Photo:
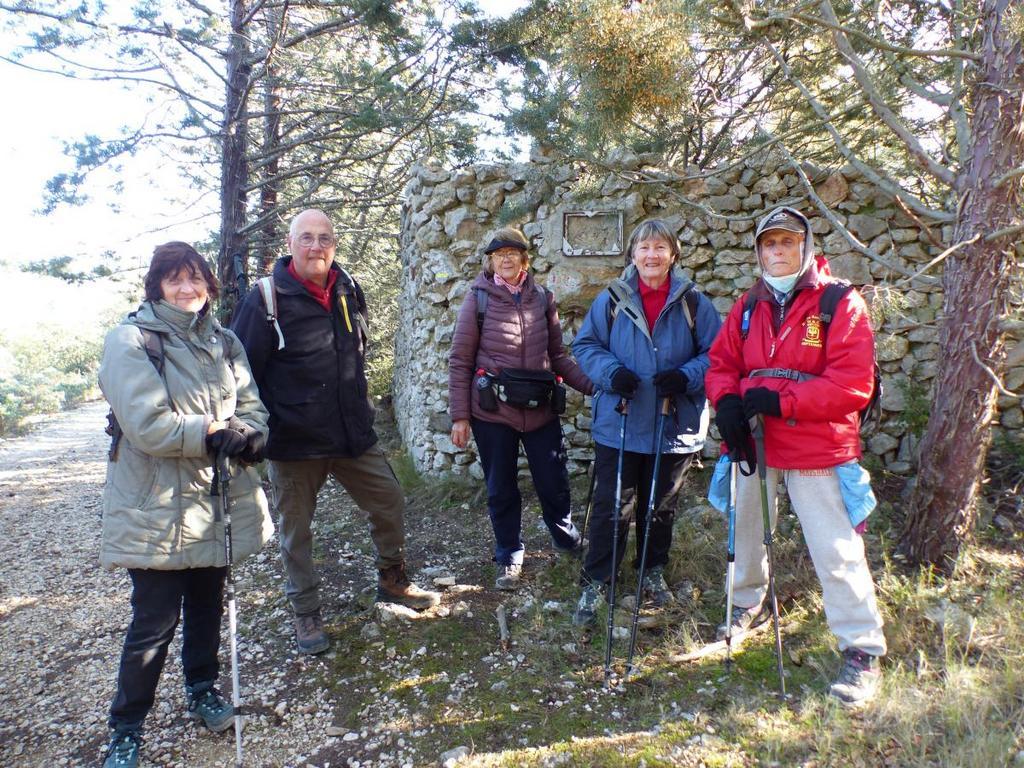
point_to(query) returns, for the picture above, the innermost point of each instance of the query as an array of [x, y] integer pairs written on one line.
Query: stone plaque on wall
[[592, 233]]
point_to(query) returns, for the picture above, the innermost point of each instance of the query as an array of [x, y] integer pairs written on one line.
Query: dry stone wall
[[448, 215]]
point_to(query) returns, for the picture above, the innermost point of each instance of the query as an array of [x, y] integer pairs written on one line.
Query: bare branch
[[941, 257], [873, 175], [841, 228], [991, 374], [883, 110]]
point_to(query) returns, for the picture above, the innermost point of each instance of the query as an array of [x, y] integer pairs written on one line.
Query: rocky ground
[[445, 688], [395, 689]]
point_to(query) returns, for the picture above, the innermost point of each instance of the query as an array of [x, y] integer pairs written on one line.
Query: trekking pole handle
[[623, 406], [666, 405]]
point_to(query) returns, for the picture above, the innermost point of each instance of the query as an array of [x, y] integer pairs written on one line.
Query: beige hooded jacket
[[158, 511]]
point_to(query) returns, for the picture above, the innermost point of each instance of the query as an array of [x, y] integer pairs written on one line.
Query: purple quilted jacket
[[518, 332]]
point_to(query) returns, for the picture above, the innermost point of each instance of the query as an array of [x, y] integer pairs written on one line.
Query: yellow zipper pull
[[344, 312]]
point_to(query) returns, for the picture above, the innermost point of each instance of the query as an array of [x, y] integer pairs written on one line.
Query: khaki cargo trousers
[[836, 550], [370, 482]]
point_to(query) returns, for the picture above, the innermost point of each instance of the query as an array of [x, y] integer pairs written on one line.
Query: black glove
[[226, 441], [734, 428], [255, 441], [761, 400], [625, 382], [672, 382]]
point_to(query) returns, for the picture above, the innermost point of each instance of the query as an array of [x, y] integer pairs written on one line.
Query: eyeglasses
[[307, 240]]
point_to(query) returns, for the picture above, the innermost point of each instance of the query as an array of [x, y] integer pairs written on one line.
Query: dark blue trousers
[[159, 598], [637, 469], [498, 446]]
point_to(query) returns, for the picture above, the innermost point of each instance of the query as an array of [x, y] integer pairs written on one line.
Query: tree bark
[[234, 166], [943, 507]]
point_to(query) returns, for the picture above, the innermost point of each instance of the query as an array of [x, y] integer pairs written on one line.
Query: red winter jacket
[[820, 422], [518, 332]]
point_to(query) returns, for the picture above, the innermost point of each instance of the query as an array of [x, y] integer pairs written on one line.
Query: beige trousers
[[370, 482], [837, 552]]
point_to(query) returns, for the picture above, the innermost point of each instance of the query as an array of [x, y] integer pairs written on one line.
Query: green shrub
[[44, 373]]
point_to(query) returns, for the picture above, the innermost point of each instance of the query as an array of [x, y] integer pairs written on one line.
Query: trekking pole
[[623, 409], [590, 498], [730, 563], [223, 470], [665, 405], [757, 427]]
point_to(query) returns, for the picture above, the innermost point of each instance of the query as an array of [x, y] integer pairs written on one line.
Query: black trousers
[[498, 445], [159, 598], [637, 469]]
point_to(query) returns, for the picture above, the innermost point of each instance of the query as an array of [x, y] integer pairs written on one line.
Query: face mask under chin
[[782, 284]]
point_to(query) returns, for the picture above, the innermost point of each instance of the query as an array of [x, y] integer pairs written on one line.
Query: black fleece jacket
[[315, 388]]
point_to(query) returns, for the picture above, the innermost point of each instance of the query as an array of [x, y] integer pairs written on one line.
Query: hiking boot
[[123, 751], [858, 679], [575, 551], [206, 704], [585, 614], [309, 633], [394, 586], [656, 588], [743, 619], [508, 576]]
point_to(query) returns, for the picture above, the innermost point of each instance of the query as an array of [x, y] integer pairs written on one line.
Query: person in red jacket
[[808, 382], [507, 322]]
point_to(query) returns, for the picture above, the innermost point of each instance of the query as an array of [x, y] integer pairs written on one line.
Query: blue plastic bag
[[718, 491], [855, 486]]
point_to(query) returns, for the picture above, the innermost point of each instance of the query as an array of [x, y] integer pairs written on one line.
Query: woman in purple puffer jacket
[[519, 331]]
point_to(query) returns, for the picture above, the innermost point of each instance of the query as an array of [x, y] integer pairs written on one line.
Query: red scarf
[[322, 295]]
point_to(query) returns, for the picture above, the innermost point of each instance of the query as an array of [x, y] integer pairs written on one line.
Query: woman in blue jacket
[[645, 338]]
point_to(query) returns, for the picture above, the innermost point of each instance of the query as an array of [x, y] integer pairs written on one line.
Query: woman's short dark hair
[[168, 260]]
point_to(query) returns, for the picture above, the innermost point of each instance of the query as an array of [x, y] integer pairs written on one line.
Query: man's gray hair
[[653, 229]]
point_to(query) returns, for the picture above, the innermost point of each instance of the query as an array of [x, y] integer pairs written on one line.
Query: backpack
[[269, 294], [830, 298], [691, 300]]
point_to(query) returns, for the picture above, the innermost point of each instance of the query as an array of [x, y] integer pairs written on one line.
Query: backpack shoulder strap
[[616, 297], [691, 301], [830, 298], [749, 303], [269, 294], [481, 308], [154, 345]]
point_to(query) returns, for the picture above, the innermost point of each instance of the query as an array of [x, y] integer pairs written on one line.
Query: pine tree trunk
[[234, 166], [270, 188], [977, 278]]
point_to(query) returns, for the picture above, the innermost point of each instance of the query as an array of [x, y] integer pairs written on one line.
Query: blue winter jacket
[[630, 343]]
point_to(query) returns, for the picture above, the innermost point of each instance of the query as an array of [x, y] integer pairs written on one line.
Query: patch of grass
[[952, 692]]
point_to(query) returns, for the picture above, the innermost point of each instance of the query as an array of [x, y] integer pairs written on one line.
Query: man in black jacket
[[306, 348]]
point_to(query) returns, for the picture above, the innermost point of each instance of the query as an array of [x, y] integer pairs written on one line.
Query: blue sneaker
[[123, 751], [206, 704]]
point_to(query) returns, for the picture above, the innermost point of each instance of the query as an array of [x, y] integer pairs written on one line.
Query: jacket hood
[[808, 254]]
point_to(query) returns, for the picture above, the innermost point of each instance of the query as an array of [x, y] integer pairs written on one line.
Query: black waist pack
[[524, 388]]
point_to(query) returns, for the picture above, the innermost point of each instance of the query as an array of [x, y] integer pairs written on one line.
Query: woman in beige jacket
[[181, 391]]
